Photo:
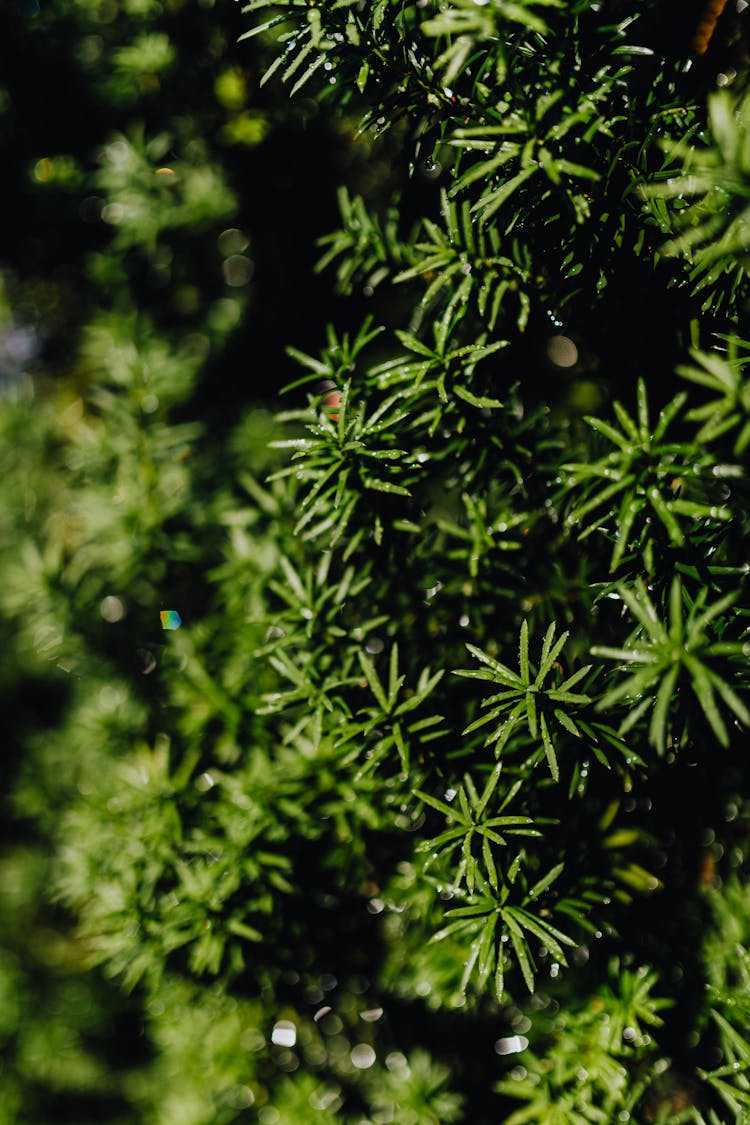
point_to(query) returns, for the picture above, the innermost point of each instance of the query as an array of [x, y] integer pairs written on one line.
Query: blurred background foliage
[[156, 244], [151, 217], [160, 174]]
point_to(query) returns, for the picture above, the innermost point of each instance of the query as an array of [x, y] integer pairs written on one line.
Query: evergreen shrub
[[434, 807]]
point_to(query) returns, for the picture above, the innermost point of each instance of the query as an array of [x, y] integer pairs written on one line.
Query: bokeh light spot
[[562, 351], [284, 1034], [232, 241], [112, 609], [170, 619], [362, 1056], [511, 1044], [238, 270]]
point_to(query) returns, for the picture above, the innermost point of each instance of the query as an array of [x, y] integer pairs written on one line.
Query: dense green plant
[[399, 765]]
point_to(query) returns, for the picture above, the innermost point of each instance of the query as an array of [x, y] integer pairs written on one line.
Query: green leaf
[[549, 749], [658, 727], [440, 806], [372, 679], [521, 950], [545, 882], [523, 652], [494, 200], [489, 789]]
